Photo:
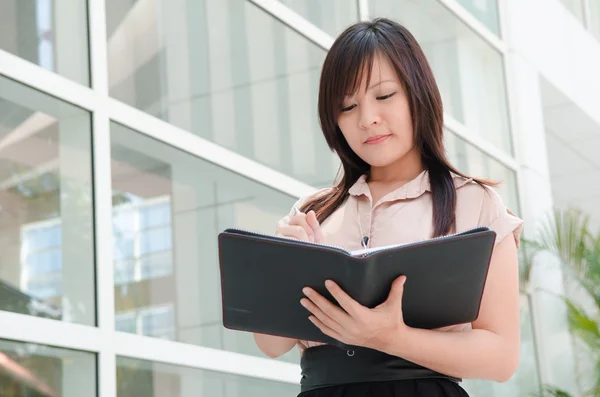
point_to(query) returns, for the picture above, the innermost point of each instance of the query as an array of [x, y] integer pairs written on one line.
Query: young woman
[[381, 112]]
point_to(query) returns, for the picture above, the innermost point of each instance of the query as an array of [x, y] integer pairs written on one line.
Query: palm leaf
[[566, 234], [555, 392], [583, 326]]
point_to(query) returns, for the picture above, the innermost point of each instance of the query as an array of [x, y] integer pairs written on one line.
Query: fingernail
[[328, 283], [306, 291], [303, 302]]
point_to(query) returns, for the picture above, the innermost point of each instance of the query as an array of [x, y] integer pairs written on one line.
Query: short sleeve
[[298, 204], [498, 218]]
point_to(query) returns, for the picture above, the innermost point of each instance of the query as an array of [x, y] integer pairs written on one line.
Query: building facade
[[133, 131]]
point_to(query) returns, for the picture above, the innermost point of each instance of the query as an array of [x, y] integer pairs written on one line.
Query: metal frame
[[472, 22], [295, 21], [102, 188], [103, 339]]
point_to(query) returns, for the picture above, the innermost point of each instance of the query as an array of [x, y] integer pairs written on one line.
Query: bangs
[[351, 66]]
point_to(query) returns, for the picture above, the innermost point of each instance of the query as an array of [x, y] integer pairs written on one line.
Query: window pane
[[151, 379], [46, 236], [468, 71], [525, 381], [484, 10], [126, 322], [331, 16], [473, 162], [176, 259], [51, 34], [226, 71], [30, 370]]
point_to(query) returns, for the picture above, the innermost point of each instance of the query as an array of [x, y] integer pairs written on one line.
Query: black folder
[[262, 278]]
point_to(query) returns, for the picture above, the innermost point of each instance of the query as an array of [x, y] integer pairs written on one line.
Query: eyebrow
[[374, 85], [381, 82]]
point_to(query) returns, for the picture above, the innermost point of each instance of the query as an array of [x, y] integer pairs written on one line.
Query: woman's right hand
[[303, 227]]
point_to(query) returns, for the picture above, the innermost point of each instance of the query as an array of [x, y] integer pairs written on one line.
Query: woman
[[381, 112]]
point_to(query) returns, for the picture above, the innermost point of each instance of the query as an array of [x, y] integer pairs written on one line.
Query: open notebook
[[262, 277]]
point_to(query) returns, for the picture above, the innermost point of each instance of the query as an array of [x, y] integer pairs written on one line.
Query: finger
[[311, 218], [396, 292], [315, 311], [328, 308], [292, 231], [325, 329], [351, 306], [300, 220]]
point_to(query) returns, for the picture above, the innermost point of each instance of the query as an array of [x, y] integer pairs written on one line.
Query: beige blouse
[[405, 215]]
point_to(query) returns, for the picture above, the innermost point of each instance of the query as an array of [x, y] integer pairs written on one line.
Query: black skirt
[[400, 388], [331, 371]]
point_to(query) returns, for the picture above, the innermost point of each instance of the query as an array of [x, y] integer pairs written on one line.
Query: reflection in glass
[[226, 71], [468, 71], [46, 239], [331, 16], [30, 370], [473, 162], [168, 208], [51, 34], [149, 379], [484, 10]]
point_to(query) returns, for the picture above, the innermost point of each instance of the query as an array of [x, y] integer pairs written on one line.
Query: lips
[[377, 139]]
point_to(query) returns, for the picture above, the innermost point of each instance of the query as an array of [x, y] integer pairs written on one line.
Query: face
[[376, 120]]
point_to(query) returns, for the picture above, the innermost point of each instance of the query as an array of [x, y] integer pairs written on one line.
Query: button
[[350, 353]]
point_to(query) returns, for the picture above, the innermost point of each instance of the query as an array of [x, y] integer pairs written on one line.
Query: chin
[[378, 162], [383, 160]]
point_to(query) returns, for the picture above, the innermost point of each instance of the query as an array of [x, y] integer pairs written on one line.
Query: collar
[[413, 189]]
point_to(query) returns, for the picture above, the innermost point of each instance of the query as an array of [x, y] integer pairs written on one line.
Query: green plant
[[567, 235]]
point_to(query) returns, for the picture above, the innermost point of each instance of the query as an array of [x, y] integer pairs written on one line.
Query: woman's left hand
[[356, 324]]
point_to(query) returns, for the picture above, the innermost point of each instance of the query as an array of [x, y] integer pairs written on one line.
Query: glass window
[[174, 217], [473, 162], [51, 34], [158, 321], [525, 382], [46, 236], [332, 16], [30, 370], [226, 71], [142, 239], [152, 379], [484, 10], [126, 322], [468, 71]]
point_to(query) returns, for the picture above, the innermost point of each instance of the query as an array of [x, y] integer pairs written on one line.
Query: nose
[[369, 116]]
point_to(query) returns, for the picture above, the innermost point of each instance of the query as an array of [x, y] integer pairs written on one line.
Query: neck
[[404, 169]]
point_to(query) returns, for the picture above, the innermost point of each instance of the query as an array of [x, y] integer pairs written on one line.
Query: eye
[[381, 98], [349, 108]]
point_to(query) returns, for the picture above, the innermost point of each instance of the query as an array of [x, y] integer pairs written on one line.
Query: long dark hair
[[350, 56]]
